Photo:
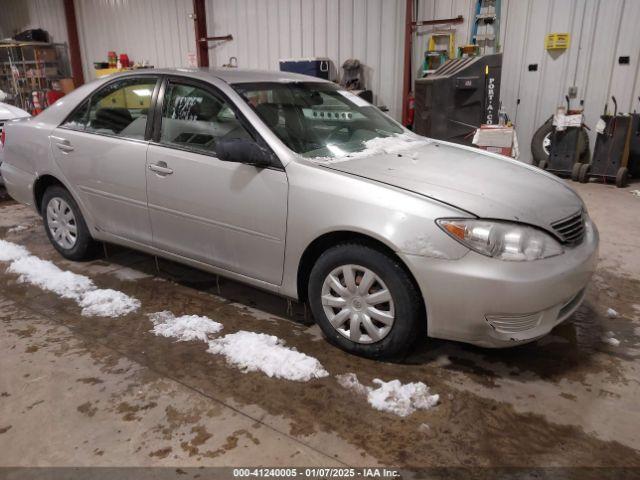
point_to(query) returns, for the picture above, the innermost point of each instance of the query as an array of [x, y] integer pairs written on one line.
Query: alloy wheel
[[358, 304]]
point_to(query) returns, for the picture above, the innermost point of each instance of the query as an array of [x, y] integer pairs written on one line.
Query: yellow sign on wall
[[557, 41]]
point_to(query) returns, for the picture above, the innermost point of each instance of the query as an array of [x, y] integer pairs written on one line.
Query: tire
[[542, 165], [405, 306], [538, 151], [622, 177], [584, 152], [583, 175], [575, 171], [57, 203]]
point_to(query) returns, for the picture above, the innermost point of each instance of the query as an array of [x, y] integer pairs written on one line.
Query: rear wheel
[[65, 226], [542, 165], [365, 302]]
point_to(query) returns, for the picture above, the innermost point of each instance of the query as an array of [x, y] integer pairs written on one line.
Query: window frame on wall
[[88, 101], [215, 92]]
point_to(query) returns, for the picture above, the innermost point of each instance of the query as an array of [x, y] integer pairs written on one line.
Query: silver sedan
[[293, 185]]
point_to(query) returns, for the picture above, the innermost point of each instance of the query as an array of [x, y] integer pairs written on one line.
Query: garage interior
[[554, 84]]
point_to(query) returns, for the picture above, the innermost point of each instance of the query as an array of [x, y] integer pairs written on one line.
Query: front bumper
[[495, 303]]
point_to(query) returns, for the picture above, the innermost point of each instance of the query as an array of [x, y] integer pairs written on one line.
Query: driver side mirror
[[240, 150]]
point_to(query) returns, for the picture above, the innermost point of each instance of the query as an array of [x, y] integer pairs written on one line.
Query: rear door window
[[119, 109]]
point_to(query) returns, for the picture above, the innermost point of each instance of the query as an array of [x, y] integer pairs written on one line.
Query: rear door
[[101, 149], [229, 215]]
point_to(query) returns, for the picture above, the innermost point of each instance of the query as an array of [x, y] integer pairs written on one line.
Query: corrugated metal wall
[[601, 31], [372, 30], [19, 15], [266, 31], [159, 31]]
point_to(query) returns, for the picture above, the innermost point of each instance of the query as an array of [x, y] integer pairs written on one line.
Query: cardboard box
[[46, 54], [66, 84], [495, 139]]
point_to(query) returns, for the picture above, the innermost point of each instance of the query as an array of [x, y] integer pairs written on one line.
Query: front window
[[195, 119], [318, 119]]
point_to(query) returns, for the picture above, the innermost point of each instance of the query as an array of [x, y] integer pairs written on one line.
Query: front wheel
[[65, 226], [365, 302]]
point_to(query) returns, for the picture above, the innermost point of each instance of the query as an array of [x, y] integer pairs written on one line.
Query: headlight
[[503, 240]]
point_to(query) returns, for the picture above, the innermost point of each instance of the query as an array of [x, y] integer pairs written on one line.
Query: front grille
[[570, 229]]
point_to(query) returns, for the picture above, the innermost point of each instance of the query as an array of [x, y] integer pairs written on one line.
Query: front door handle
[[62, 143], [160, 168]]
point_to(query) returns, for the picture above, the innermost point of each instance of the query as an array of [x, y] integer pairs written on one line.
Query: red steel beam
[[406, 82], [74, 43], [200, 22]]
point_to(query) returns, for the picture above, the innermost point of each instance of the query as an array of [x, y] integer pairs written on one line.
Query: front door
[[101, 149], [229, 215]]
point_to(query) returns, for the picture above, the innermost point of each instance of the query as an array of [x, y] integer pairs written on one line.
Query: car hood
[[483, 184]]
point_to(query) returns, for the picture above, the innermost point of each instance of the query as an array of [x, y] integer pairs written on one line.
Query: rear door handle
[[160, 168], [62, 143]]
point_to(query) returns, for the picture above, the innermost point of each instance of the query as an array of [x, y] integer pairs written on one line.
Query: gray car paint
[[393, 199]]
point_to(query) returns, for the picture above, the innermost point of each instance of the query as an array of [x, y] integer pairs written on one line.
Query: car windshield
[[318, 119]]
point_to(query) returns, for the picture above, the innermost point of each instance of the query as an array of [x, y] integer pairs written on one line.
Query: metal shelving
[[26, 67]]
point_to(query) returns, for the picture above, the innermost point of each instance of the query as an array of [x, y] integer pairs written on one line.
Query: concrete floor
[[105, 392]]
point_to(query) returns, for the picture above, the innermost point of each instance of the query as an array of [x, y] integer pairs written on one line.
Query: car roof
[[233, 75]]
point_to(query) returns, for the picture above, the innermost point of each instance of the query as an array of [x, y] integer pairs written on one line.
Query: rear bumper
[[493, 303], [19, 184]]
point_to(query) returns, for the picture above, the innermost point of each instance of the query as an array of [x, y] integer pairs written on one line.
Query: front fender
[[322, 201]]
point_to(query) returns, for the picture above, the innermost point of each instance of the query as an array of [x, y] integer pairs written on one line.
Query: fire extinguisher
[[37, 106], [411, 111]]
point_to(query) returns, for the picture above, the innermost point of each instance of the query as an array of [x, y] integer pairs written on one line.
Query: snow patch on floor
[[46, 275], [442, 361], [392, 397], [18, 228], [107, 303], [184, 328], [10, 251], [258, 352], [611, 313], [610, 339], [66, 284]]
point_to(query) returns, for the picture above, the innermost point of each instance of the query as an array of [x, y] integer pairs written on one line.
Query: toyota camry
[[293, 185]]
